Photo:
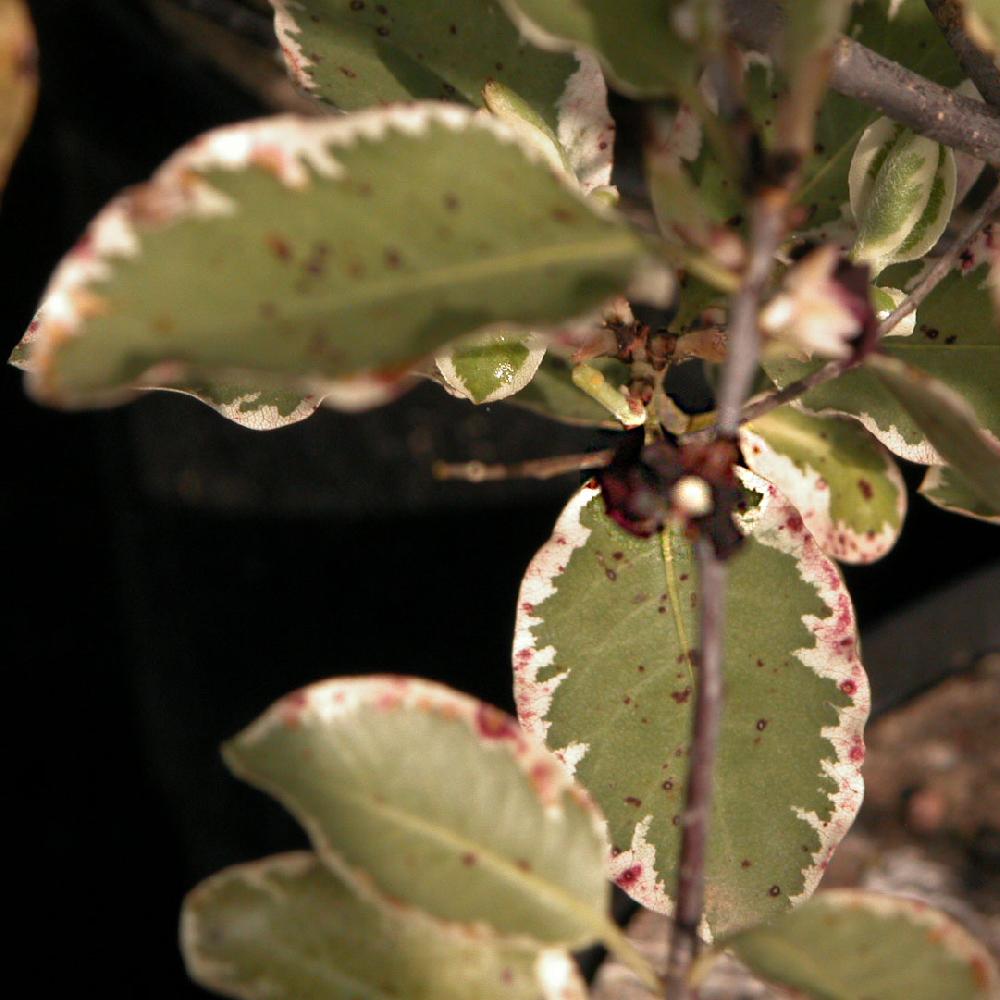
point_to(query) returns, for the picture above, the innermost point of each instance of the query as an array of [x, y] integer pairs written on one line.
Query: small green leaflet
[[610, 691], [842, 943], [950, 490], [490, 367], [358, 55], [287, 928], [647, 47], [289, 254], [552, 392], [411, 791], [956, 340], [949, 423], [846, 486]]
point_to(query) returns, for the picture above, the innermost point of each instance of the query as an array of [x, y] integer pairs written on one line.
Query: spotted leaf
[[950, 490], [360, 54], [422, 795], [949, 422], [846, 486], [611, 693], [844, 942], [287, 928], [18, 80], [289, 254], [490, 367], [956, 340], [646, 46]]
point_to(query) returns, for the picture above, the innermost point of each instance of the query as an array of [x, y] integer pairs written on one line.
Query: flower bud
[[902, 189]]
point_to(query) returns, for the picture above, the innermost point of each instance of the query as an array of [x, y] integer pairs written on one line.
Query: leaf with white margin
[[603, 669], [950, 490], [297, 252], [423, 795], [956, 340], [18, 80], [948, 421], [287, 928], [846, 486], [356, 55], [646, 46], [552, 393], [849, 943], [490, 367]]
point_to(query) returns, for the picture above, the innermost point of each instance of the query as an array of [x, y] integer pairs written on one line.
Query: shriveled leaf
[[851, 943], [846, 486], [490, 367], [956, 340], [356, 55], [290, 253], [611, 692], [287, 928], [18, 80], [435, 800], [552, 393], [645, 46], [950, 490], [949, 422]]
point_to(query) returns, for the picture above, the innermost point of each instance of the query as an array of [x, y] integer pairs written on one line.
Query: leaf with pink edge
[[846, 485], [610, 691]]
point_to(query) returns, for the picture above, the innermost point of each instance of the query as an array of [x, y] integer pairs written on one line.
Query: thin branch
[[768, 220], [906, 97], [536, 468], [978, 66]]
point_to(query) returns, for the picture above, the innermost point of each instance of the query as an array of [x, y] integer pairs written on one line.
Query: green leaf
[[644, 45], [610, 690], [904, 32], [949, 489], [846, 486], [956, 340], [490, 367], [18, 80], [356, 55], [552, 393], [949, 422], [431, 798], [287, 928], [982, 22], [290, 253], [850, 943]]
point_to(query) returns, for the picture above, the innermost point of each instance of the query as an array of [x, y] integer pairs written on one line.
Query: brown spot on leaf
[[278, 246], [631, 800], [775, 890], [866, 489]]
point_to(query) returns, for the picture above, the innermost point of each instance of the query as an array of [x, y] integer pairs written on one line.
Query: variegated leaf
[[360, 54], [846, 486], [490, 367], [18, 80], [419, 794], [289, 254], [852, 943], [949, 489], [956, 340], [611, 692], [287, 928], [647, 47], [949, 422], [552, 393]]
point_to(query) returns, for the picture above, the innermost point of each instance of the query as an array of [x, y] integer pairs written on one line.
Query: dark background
[[171, 574]]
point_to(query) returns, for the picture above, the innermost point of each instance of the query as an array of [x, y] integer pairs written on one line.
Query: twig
[[834, 369], [978, 66], [906, 97], [536, 468], [768, 220]]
